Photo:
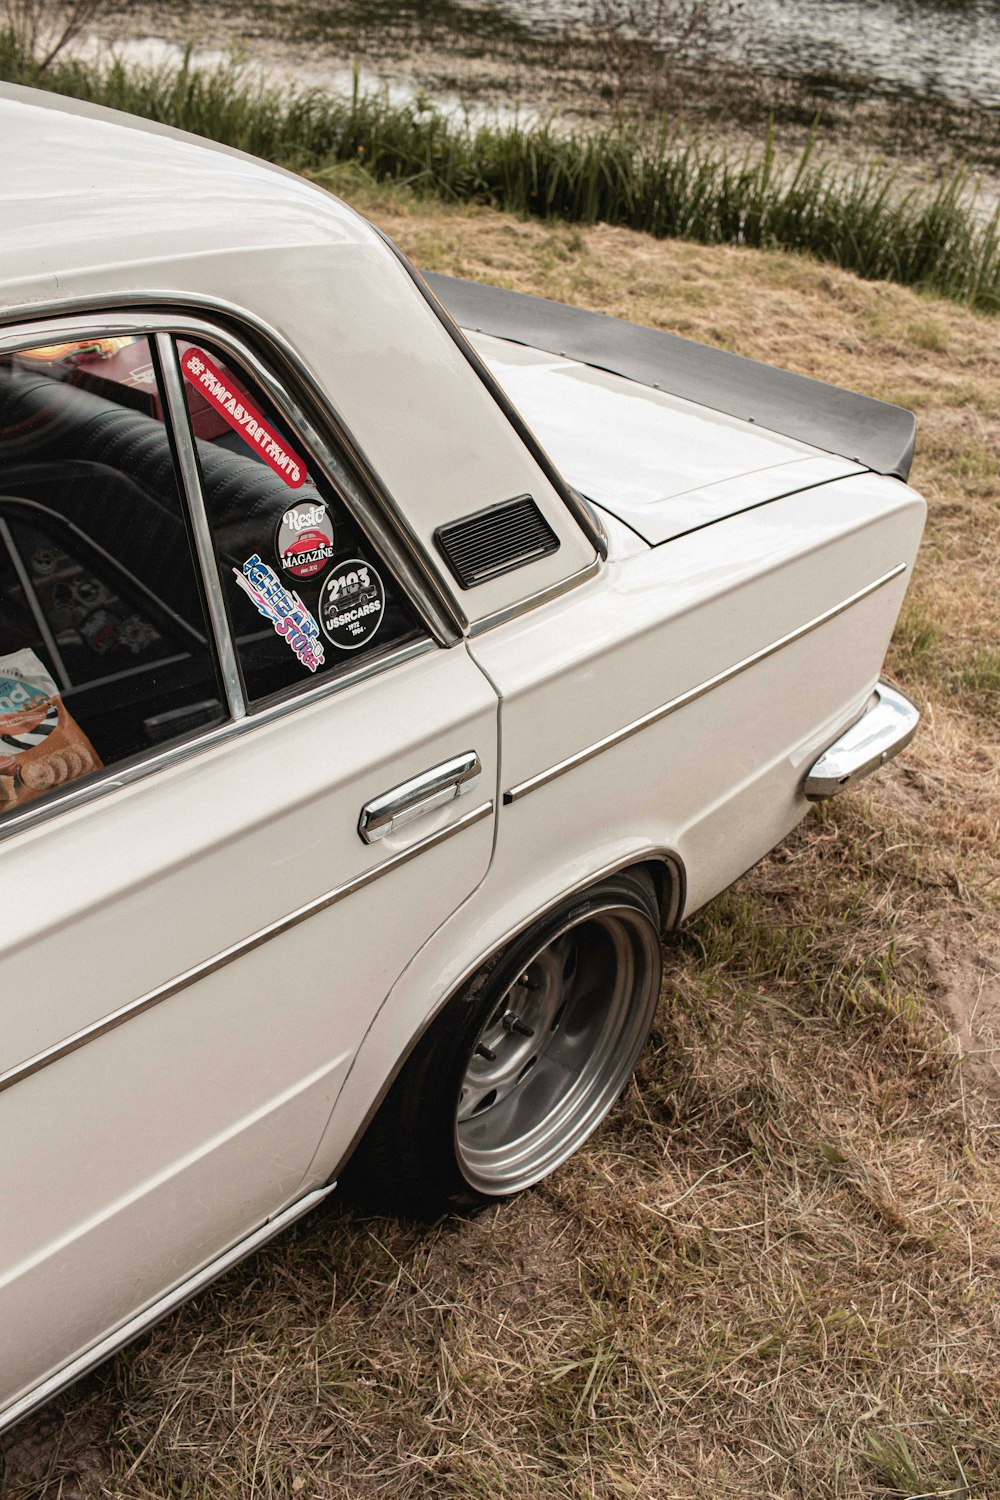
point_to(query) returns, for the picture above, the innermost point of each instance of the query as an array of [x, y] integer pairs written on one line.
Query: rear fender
[[472, 935]]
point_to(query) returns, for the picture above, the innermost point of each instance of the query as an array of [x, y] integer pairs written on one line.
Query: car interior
[[97, 575]]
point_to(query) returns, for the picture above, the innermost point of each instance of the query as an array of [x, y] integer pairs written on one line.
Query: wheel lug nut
[[483, 1051], [511, 1023]]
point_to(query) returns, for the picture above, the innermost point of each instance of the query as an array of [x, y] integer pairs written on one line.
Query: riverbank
[[645, 177], [490, 60]]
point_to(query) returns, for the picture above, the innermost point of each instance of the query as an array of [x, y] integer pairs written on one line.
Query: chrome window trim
[[154, 312], [109, 318], [158, 1310], [72, 1043], [179, 429], [533, 783], [441, 611], [532, 601], [115, 778]]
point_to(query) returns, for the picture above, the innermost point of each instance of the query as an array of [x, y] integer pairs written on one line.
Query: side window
[[104, 645], [307, 593]]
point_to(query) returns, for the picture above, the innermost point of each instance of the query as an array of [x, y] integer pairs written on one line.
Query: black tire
[[523, 1063]]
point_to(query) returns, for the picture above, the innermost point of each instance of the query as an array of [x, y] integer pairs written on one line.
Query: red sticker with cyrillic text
[[241, 415]]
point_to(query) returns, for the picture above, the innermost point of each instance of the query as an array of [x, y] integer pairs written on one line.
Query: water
[[950, 48], [155, 52]]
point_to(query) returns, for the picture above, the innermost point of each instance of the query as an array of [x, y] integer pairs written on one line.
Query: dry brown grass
[[776, 1270]]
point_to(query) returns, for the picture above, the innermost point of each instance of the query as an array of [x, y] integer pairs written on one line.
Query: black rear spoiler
[[869, 432]]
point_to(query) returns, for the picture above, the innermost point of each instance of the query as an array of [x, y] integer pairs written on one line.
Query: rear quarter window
[[308, 594]]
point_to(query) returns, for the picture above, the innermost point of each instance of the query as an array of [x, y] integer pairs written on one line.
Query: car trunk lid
[[662, 464]]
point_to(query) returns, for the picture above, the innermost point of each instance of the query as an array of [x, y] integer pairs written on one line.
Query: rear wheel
[[525, 1062]]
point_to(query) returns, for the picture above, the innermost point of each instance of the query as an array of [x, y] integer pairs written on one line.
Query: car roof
[[99, 208], [90, 189]]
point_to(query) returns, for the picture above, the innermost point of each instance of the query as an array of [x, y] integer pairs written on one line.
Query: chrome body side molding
[[887, 726], [229, 955], [532, 783], [160, 1309]]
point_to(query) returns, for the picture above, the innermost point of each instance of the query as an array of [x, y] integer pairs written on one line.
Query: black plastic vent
[[495, 540]]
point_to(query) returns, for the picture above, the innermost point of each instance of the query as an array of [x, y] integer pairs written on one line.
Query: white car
[[373, 698]]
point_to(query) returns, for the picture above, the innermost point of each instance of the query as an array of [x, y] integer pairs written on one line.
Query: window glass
[[307, 593], [104, 644]]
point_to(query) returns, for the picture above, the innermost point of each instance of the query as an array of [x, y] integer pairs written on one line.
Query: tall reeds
[[861, 220]]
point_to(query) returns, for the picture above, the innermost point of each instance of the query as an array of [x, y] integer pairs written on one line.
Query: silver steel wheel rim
[[558, 1049]]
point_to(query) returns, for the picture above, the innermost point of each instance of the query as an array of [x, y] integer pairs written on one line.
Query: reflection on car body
[[374, 697]]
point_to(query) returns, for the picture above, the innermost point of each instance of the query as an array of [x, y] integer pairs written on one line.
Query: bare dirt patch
[[970, 1002]]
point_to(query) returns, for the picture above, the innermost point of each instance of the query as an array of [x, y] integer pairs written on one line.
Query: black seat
[[109, 471]]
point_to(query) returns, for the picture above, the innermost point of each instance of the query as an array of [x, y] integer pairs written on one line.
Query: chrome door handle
[[421, 794]]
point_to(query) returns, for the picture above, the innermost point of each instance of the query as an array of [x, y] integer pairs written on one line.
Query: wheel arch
[[670, 880], [667, 871]]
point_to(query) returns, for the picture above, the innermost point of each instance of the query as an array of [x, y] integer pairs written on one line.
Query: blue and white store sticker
[[283, 607]]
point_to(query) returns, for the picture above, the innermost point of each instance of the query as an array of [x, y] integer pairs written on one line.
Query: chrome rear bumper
[[886, 727]]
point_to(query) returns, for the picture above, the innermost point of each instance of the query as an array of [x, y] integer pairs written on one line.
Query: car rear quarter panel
[[719, 781]]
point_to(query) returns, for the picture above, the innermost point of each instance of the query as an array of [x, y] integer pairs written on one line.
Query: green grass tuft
[[982, 676]]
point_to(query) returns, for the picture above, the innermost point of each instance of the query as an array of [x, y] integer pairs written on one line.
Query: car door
[[241, 783]]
